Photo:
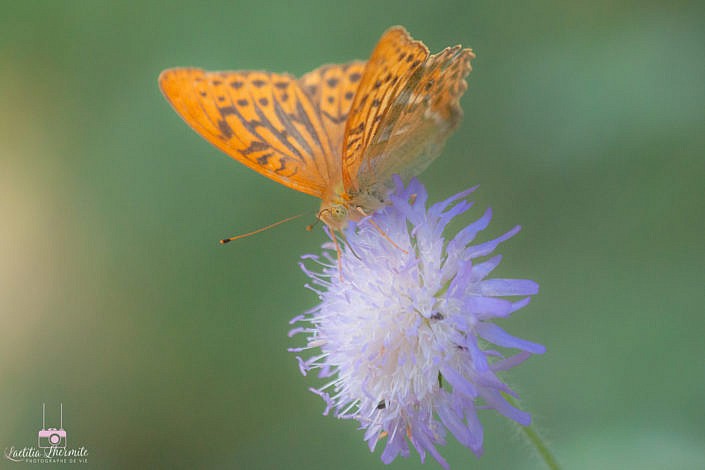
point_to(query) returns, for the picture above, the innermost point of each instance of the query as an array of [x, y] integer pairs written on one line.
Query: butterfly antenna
[[310, 226], [255, 232]]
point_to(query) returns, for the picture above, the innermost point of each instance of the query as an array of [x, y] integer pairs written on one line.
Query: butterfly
[[338, 133]]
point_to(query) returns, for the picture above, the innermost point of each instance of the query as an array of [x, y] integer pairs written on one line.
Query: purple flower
[[404, 334]]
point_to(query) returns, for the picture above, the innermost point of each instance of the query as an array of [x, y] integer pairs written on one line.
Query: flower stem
[[535, 439]]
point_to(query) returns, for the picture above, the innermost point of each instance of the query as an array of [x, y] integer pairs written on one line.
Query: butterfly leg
[[352, 250], [338, 252], [382, 232]]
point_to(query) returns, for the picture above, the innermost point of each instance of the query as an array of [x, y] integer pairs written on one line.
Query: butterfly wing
[[419, 119], [263, 120], [392, 64], [331, 89]]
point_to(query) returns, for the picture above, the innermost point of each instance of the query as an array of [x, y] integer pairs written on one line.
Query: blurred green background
[[585, 123]]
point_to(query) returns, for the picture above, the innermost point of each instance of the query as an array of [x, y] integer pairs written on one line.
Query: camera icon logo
[[52, 437]]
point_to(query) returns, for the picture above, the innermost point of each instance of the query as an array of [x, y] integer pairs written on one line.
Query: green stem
[[535, 439]]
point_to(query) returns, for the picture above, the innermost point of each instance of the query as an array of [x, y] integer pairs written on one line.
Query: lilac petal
[[395, 444], [502, 287], [455, 424], [297, 319], [372, 437], [439, 207], [303, 368], [445, 217], [475, 428], [521, 303], [496, 335], [461, 280], [489, 381], [481, 270], [486, 248], [297, 330], [508, 363], [468, 234], [484, 308], [326, 398], [420, 194], [493, 353], [458, 382], [499, 403], [479, 359], [421, 441], [406, 210]]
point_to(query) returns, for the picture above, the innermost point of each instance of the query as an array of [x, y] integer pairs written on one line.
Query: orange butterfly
[[339, 132]]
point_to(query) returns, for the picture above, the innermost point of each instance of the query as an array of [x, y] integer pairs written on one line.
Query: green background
[[585, 123]]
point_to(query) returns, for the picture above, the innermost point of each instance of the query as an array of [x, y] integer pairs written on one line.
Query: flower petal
[[481, 270], [458, 382], [455, 424], [483, 308], [468, 234], [496, 335], [499, 403], [502, 287], [486, 248], [510, 362]]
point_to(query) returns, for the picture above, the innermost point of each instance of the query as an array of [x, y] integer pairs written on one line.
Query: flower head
[[405, 332]]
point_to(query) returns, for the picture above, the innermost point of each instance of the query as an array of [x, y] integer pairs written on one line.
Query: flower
[[405, 332]]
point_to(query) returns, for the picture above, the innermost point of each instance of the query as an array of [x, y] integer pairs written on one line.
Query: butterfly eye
[[339, 211]]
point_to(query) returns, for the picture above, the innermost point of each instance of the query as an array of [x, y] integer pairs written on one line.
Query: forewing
[[393, 62], [420, 119], [331, 89], [261, 119]]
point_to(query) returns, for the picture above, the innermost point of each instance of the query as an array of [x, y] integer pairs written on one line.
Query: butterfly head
[[335, 215]]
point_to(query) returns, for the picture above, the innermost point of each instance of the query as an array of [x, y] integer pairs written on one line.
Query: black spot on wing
[[265, 122], [225, 128], [262, 160], [227, 110], [256, 146], [290, 130], [337, 120]]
